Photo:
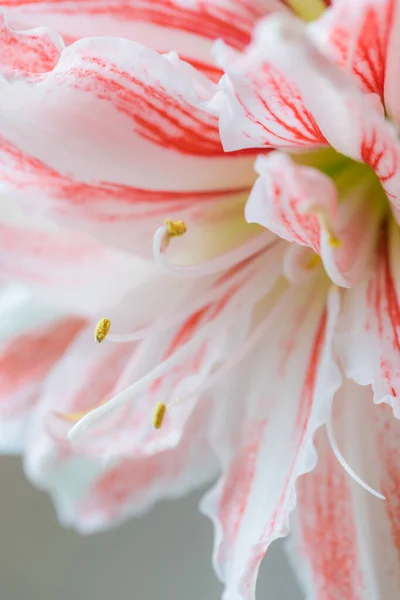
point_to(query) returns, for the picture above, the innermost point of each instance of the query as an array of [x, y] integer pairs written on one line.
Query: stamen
[[160, 370], [158, 415], [325, 223], [161, 242], [102, 329], [126, 395], [315, 261], [175, 228], [343, 463], [334, 241]]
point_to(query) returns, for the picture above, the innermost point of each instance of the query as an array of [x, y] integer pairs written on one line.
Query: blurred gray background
[[165, 555]]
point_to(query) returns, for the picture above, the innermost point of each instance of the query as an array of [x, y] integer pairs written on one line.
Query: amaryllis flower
[[253, 295]]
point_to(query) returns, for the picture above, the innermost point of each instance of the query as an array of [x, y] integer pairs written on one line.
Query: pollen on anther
[[102, 329], [158, 415], [175, 228], [334, 241]]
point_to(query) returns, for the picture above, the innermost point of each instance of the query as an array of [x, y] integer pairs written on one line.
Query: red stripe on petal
[[328, 533], [31, 51], [230, 21], [27, 359], [156, 115], [302, 420], [359, 39], [240, 478], [101, 202]]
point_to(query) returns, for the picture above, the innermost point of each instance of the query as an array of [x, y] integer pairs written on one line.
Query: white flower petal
[[345, 540], [368, 336], [263, 436]]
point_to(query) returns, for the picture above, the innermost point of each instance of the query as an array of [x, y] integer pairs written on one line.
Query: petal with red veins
[[300, 204], [177, 363], [33, 338], [345, 541], [368, 335], [28, 51], [259, 106], [68, 269], [392, 74], [187, 26], [355, 36], [133, 486], [353, 125], [101, 123], [91, 496], [263, 435]]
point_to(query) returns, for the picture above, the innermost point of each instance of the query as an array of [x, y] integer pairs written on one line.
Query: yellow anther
[[307, 9], [175, 228], [102, 329], [334, 241], [158, 415], [314, 262]]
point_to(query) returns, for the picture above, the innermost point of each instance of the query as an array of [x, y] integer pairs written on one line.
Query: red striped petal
[[346, 541], [355, 36], [264, 442], [300, 204], [370, 332]]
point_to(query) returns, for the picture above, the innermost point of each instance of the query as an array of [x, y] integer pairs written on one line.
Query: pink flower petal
[[300, 204], [91, 496], [355, 35], [392, 74], [30, 51], [65, 268], [33, 339], [369, 335], [260, 106], [346, 542], [263, 436], [188, 26], [97, 128], [133, 486], [353, 125]]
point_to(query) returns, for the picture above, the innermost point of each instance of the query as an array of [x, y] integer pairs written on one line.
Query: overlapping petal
[[65, 268], [369, 334], [265, 441], [36, 50], [260, 106], [178, 362], [90, 495], [355, 36], [33, 338], [354, 124], [301, 204], [188, 27], [96, 129], [345, 540]]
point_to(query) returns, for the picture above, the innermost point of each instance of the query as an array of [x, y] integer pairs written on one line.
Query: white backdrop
[[165, 555]]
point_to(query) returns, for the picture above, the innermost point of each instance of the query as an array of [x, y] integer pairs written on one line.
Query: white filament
[[126, 395], [230, 259], [343, 463], [180, 314], [241, 354], [139, 386]]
